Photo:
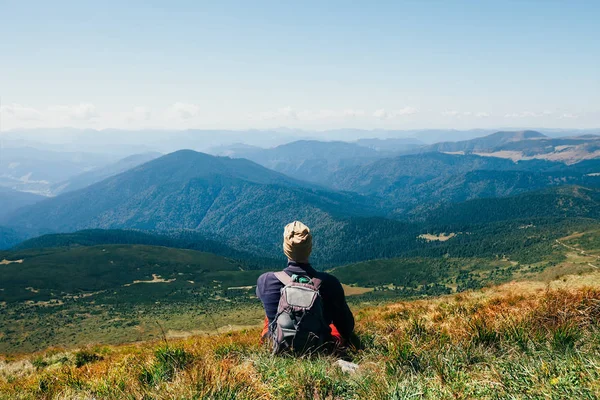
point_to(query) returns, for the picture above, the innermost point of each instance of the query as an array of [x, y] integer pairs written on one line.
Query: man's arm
[[268, 291], [342, 316]]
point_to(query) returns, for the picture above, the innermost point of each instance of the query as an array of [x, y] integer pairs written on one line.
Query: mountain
[[309, 160], [9, 238], [235, 150], [239, 200], [563, 203], [525, 145], [486, 143], [11, 200], [124, 142], [99, 174], [415, 183], [567, 150], [391, 146]]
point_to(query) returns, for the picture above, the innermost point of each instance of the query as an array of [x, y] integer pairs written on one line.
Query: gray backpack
[[299, 325]]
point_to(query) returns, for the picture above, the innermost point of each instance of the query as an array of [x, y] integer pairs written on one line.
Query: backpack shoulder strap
[[317, 282], [283, 277]]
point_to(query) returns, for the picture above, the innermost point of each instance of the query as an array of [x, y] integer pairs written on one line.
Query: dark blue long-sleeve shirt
[[335, 308]]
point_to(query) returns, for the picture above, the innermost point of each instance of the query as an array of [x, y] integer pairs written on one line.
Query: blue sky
[[305, 64]]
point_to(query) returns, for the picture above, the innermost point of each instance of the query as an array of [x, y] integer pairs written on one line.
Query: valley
[[155, 248]]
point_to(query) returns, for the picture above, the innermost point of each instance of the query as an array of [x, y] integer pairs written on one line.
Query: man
[[297, 246]]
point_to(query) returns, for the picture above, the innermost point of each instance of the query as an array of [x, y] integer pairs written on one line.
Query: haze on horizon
[[310, 66]]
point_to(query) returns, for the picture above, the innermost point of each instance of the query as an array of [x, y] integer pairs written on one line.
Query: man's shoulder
[[328, 278], [266, 278]]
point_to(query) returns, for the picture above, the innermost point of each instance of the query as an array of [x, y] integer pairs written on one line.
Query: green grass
[[491, 345]]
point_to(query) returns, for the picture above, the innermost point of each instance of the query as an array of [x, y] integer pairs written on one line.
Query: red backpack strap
[[283, 277]]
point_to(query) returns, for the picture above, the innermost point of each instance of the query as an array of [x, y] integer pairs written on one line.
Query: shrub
[[565, 337], [167, 362], [483, 333], [231, 350], [403, 355], [84, 357], [39, 363]]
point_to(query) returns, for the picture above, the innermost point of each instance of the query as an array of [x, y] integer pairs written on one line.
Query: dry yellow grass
[[355, 290], [6, 262], [442, 237]]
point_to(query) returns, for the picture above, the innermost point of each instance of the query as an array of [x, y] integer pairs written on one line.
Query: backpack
[[299, 325]]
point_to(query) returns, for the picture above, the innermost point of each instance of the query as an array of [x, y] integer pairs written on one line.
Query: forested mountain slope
[[236, 199], [11, 200]]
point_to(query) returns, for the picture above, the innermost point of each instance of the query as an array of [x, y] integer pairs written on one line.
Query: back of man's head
[[297, 242]]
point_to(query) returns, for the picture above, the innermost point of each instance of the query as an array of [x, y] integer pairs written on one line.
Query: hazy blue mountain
[[568, 150], [524, 145], [11, 200], [34, 170], [235, 150], [389, 174], [391, 146], [309, 160], [485, 144], [99, 174], [124, 142]]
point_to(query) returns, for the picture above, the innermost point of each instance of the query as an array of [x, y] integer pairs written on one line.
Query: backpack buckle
[[301, 279]]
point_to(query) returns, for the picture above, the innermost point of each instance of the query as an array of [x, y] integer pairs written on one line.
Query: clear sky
[[305, 64]]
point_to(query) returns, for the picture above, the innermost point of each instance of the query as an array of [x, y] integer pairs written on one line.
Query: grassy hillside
[[523, 340], [117, 293], [107, 293], [51, 272], [182, 239]]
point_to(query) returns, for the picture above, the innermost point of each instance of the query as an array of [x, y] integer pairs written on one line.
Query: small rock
[[347, 366]]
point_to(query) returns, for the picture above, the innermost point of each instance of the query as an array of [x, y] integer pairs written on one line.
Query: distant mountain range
[[244, 205], [34, 170], [416, 183], [125, 142], [485, 143], [316, 161], [370, 193], [309, 160], [525, 145]]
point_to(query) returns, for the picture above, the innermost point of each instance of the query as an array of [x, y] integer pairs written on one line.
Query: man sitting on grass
[[305, 309]]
